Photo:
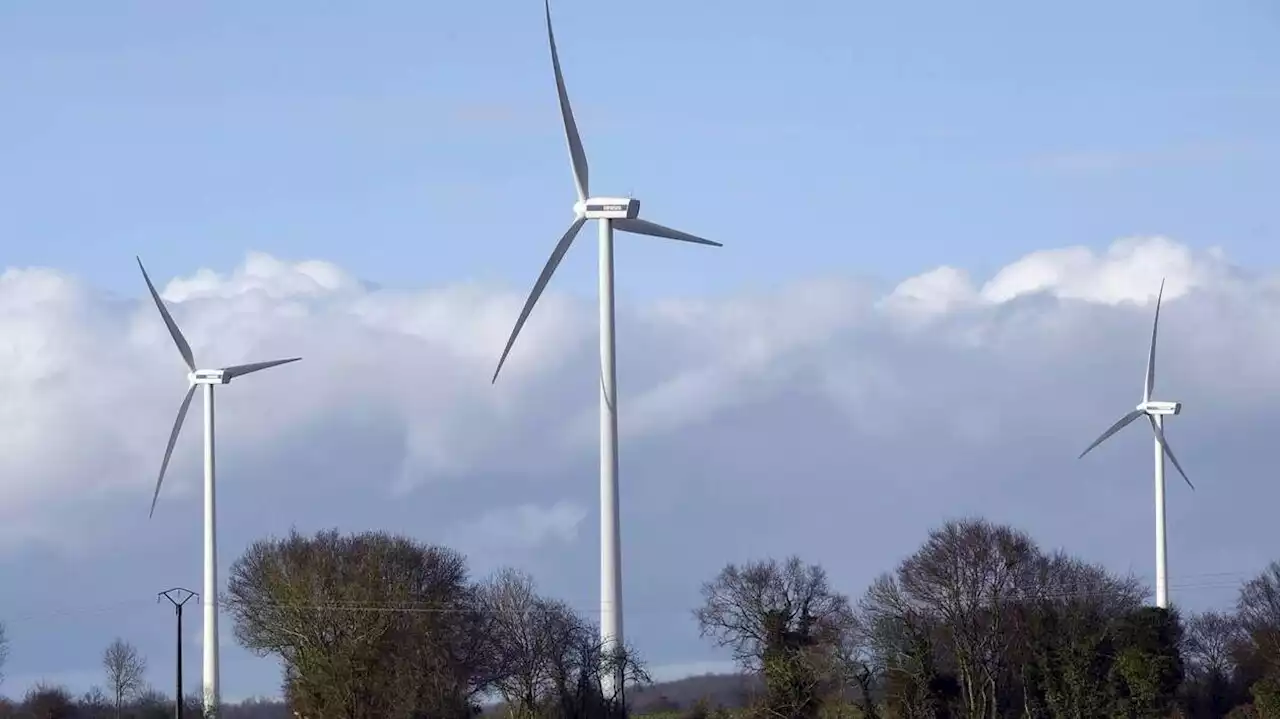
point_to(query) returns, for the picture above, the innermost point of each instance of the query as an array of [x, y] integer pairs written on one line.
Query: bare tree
[[1210, 642], [94, 704], [1259, 600], [969, 572], [550, 659], [151, 702], [756, 607], [784, 621], [1258, 608], [525, 631], [853, 663], [904, 642], [579, 664], [126, 670]]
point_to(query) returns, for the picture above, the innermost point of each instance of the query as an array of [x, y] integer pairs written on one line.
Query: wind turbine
[[1155, 411], [205, 378], [611, 213]]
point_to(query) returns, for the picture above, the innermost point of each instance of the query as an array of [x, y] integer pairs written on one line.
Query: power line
[[431, 608]]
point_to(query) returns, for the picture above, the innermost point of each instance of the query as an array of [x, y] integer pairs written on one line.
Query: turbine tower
[[1155, 411], [611, 213], [205, 378]]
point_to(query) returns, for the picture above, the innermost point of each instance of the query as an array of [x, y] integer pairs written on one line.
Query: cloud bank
[[837, 418]]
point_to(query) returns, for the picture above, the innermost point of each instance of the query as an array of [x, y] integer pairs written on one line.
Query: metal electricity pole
[[178, 597]]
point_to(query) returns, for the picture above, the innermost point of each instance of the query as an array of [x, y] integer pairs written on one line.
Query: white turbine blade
[[174, 332], [239, 370], [576, 154], [1149, 387], [653, 229], [1169, 452], [1125, 420], [552, 263], [173, 439]]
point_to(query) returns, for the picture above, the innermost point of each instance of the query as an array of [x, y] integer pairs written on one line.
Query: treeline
[[50, 701], [124, 694], [978, 623], [982, 623]]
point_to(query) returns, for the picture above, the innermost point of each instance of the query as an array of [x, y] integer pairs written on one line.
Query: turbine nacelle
[[1155, 407], [607, 208], [208, 376]]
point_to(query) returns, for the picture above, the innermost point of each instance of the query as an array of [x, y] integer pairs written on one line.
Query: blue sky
[[836, 149], [414, 142]]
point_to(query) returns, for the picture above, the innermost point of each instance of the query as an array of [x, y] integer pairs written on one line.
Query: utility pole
[[178, 597]]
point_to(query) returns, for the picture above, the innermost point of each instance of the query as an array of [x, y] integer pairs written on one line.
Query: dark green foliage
[[1147, 667], [1084, 663], [1266, 697], [1070, 648]]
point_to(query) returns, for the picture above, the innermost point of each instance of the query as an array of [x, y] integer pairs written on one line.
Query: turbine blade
[[552, 263], [238, 370], [1169, 452], [653, 229], [174, 332], [1149, 387], [173, 439], [576, 154], [1124, 421]]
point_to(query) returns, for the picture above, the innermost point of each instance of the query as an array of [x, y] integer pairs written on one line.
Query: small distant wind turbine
[[1155, 412], [206, 378], [611, 213]]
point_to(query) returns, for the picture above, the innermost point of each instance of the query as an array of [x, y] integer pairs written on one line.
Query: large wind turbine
[[621, 213], [205, 378], [1155, 411]]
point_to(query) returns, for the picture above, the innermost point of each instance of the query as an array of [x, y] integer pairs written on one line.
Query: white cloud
[[828, 418], [934, 292], [262, 273], [1131, 270]]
